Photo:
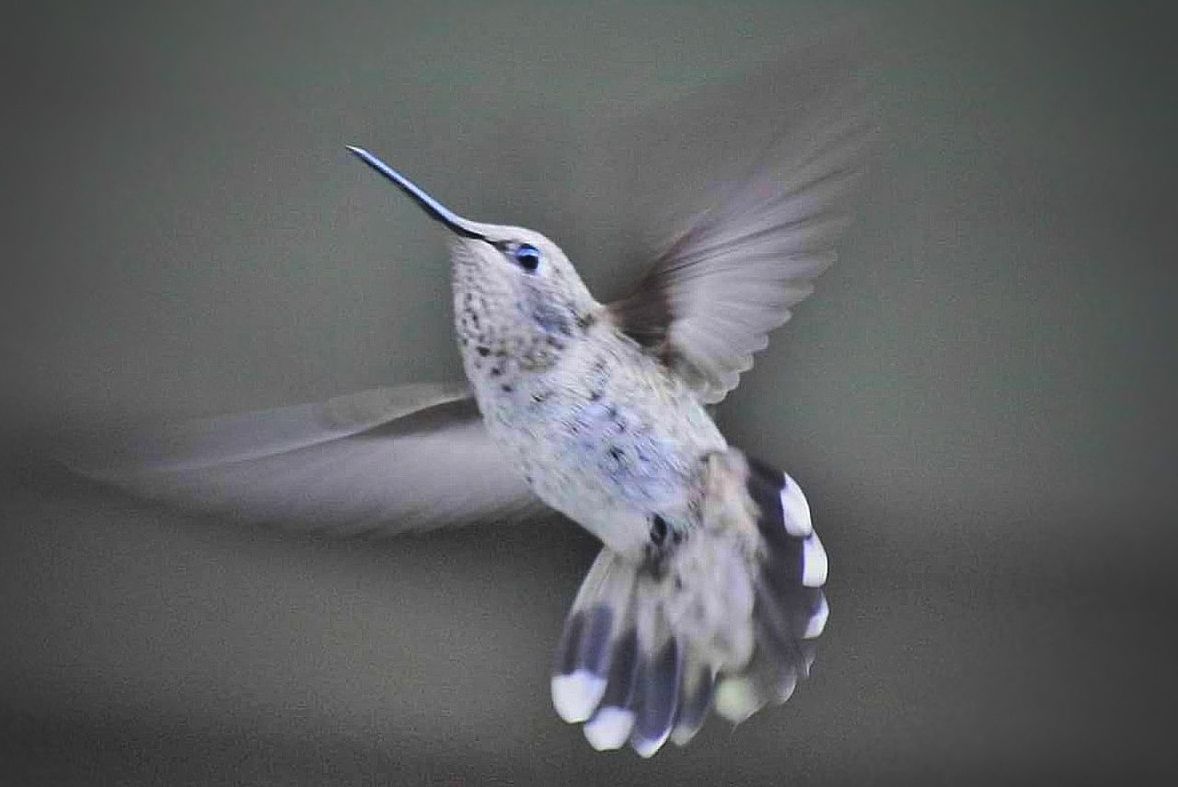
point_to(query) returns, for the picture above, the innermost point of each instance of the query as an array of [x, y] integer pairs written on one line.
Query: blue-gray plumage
[[707, 592]]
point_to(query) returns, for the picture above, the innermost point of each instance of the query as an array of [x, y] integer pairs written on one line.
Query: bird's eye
[[528, 257]]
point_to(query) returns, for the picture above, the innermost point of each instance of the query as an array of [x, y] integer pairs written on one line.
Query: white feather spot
[[817, 621], [681, 736], [814, 563], [609, 728], [646, 748], [575, 696], [795, 510], [736, 699]]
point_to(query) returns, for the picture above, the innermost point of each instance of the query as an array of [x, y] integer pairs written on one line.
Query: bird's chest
[[602, 441]]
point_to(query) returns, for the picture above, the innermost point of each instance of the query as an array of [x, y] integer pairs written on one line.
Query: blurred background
[[979, 401]]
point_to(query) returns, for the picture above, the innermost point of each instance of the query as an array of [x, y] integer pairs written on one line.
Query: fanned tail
[[724, 618]]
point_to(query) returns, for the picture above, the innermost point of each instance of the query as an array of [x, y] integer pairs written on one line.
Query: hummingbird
[[707, 593]]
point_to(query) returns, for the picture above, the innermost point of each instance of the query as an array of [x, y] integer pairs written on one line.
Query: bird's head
[[518, 301]]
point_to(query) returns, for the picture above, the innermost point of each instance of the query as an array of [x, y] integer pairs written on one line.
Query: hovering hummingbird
[[707, 592]]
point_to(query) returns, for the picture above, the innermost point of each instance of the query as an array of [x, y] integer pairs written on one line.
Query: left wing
[[388, 461]]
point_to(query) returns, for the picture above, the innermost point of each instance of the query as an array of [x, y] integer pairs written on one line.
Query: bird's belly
[[608, 466]]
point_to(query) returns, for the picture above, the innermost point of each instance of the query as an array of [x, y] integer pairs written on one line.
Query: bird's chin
[[468, 252]]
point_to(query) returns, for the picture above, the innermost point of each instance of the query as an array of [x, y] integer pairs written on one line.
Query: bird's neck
[[504, 338], [515, 384]]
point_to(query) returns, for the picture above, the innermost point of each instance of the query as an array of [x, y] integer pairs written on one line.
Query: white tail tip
[[576, 696], [795, 510], [814, 563], [609, 728], [817, 621]]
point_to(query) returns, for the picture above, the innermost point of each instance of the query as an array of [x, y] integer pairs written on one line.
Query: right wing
[[731, 200], [389, 460], [713, 295]]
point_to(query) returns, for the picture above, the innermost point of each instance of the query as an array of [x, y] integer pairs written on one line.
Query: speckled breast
[[604, 437]]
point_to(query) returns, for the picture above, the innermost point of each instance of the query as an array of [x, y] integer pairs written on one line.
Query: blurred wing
[[388, 461], [715, 292]]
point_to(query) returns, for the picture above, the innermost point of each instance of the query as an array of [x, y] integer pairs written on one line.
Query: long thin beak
[[430, 205]]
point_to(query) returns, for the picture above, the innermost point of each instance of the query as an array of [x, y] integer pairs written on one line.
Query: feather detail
[[383, 461], [715, 291], [725, 619]]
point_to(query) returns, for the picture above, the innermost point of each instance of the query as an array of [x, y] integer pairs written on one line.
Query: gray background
[[978, 402]]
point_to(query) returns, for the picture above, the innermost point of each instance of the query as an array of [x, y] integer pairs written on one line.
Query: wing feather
[[714, 293], [384, 461]]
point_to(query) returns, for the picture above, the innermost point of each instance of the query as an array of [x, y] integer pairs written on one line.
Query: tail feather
[[612, 723], [601, 616], [726, 621], [695, 700], [657, 692]]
